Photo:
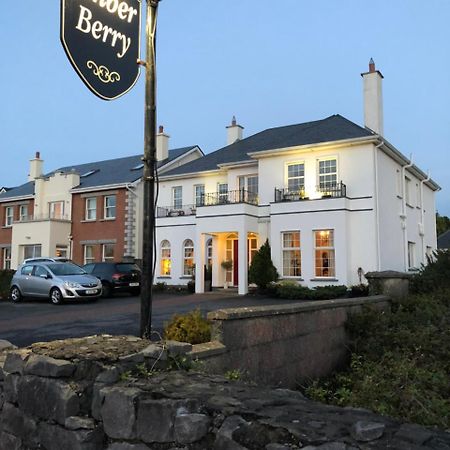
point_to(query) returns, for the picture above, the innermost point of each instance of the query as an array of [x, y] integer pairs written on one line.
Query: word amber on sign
[[102, 40]]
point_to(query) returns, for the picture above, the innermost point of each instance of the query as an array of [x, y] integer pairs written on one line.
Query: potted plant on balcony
[[227, 265]]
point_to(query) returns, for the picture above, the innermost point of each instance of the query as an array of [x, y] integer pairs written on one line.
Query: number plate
[[134, 284], [91, 291]]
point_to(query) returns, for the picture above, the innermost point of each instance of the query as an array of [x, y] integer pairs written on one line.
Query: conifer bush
[[5, 281], [262, 271]]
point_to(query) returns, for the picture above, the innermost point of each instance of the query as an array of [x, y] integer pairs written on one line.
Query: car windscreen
[[66, 269], [127, 267]]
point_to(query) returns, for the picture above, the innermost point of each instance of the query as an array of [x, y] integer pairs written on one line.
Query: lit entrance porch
[[229, 255]]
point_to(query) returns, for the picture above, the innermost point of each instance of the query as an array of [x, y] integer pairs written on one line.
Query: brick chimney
[[234, 132], [162, 144], [36, 166], [373, 98]]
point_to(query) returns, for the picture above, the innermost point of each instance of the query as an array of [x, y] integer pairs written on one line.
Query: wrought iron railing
[[229, 197], [175, 211], [324, 191]]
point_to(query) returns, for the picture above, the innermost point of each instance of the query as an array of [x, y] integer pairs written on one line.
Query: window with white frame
[[32, 251], [199, 194], [56, 210], [408, 190], [295, 177], [23, 213], [108, 252], [325, 265], [222, 189], [327, 173], [188, 257], [411, 255], [88, 254], [7, 258], [91, 208], [292, 262], [177, 197], [109, 207], [249, 185], [165, 258], [9, 216]]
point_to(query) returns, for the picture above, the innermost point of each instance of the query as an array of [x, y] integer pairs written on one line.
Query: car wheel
[[15, 294], [106, 289], [55, 296]]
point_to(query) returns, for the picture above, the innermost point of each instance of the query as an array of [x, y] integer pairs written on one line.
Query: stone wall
[[116, 393], [282, 345]]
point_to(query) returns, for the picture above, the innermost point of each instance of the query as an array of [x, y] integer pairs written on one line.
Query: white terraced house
[[334, 199]]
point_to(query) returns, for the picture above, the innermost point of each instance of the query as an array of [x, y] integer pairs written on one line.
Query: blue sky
[[269, 63]]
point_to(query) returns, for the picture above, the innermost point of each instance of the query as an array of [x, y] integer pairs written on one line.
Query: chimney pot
[[371, 65], [161, 129], [233, 121], [38, 155]]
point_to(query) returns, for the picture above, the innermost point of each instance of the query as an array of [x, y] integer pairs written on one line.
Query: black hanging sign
[[102, 39]]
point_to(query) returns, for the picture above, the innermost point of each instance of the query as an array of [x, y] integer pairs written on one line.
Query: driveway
[[33, 321]]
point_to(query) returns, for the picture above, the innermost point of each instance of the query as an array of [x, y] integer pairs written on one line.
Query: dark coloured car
[[116, 276]]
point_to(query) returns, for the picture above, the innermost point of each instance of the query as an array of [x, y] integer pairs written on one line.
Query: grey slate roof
[[333, 128], [443, 241], [108, 172]]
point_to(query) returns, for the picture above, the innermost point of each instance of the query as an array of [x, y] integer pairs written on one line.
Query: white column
[[243, 262], [200, 264], [215, 261]]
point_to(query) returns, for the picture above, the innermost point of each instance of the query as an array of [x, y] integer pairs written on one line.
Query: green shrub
[[262, 271], [190, 327], [435, 273], [159, 287], [191, 286], [293, 291], [5, 282], [399, 364], [359, 290]]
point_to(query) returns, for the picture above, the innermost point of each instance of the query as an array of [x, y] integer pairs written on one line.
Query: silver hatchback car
[[54, 280]]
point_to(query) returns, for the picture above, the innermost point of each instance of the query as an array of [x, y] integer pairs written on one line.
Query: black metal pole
[[149, 160]]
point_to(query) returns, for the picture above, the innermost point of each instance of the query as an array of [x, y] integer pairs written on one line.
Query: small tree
[[262, 271]]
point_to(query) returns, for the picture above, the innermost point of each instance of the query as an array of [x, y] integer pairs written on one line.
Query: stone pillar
[[200, 264], [389, 282], [243, 262]]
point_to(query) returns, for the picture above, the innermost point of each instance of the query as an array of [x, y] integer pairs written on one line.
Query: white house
[[334, 199]]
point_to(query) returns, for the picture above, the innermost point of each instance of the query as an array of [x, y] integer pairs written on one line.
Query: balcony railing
[[322, 191], [175, 211], [229, 197], [211, 199]]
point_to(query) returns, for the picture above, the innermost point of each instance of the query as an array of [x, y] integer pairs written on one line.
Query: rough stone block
[[176, 348], [155, 420], [9, 442], [79, 423], [191, 427], [47, 398], [54, 437], [413, 433], [364, 431], [15, 422], [154, 351], [134, 358], [109, 376], [224, 437], [44, 366], [97, 400], [10, 387], [127, 446], [6, 345], [15, 361], [118, 411]]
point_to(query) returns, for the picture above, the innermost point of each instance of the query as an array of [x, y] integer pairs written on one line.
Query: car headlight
[[71, 284]]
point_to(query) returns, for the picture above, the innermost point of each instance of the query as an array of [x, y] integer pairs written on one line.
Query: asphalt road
[[37, 321]]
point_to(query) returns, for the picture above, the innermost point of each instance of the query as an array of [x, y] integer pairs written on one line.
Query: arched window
[[188, 257], [165, 259]]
